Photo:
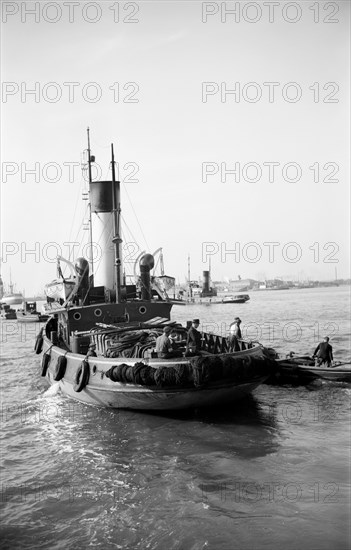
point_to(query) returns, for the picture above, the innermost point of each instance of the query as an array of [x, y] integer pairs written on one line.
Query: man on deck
[[324, 353], [235, 335], [91, 351], [164, 347], [193, 342]]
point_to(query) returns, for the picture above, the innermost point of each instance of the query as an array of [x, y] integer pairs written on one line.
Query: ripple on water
[[272, 470]]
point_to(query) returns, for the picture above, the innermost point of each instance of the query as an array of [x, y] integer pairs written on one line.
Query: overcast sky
[[231, 131]]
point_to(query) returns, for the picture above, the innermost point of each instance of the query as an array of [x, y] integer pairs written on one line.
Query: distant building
[[241, 285]]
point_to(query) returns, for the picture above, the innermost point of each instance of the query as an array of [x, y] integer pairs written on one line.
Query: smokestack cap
[[147, 261]]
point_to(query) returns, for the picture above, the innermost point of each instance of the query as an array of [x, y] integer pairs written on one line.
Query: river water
[[272, 471]]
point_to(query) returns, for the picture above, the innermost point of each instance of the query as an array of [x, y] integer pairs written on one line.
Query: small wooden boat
[[99, 343], [303, 369]]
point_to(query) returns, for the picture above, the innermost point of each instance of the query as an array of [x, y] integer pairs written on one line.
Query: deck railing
[[213, 343]]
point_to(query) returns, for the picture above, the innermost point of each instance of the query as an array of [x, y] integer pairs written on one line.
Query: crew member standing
[[324, 353], [193, 342], [235, 335]]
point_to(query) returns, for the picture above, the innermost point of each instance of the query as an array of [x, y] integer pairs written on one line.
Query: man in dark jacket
[[235, 335], [164, 347], [193, 343], [324, 353], [91, 351]]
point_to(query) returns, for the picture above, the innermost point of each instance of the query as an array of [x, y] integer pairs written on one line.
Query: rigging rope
[[136, 217]]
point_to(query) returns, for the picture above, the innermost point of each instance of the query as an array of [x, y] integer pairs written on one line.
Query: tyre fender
[[60, 368], [82, 376]]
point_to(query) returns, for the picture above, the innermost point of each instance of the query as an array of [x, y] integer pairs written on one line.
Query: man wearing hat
[[193, 343], [323, 353], [235, 335], [164, 348], [91, 351]]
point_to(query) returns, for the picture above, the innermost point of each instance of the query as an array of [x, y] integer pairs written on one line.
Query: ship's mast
[[11, 283], [116, 209], [90, 160], [162, 265], [189, 283]]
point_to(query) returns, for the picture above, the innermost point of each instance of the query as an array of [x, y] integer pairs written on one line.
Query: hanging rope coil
[[198, 372]]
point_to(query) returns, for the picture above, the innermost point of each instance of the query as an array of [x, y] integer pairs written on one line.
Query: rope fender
[[38, 346], [60, 368], [45, 362], [82, 376]]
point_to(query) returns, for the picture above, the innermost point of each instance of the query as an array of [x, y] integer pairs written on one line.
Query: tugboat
[[99, 343]]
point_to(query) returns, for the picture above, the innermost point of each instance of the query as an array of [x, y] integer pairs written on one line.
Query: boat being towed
[[303, 369], [99, 343]]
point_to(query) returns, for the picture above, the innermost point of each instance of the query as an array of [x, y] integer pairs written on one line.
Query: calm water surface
[[271, 472]]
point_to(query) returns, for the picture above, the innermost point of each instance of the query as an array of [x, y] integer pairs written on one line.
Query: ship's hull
[[12, 299], [240, 299], [235, 301], [103, 392], [9, 316], [31, 318], [305, 371]]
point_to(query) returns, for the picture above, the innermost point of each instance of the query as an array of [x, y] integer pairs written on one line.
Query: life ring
[[60, 368], [38, 346], [45, 363], [82, 376]]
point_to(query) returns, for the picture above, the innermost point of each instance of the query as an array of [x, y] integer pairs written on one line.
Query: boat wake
[[53, 390]]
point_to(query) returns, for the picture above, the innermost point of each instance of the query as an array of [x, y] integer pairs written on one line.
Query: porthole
[[77, 316], [94, 370], [97, 312], [142, 310]]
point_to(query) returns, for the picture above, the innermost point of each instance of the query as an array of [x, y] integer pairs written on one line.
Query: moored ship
[[12, 298]]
